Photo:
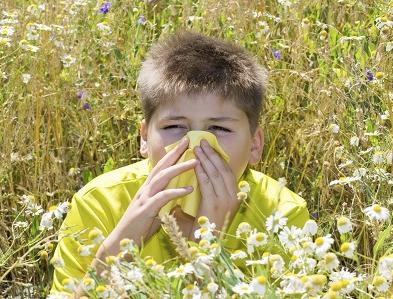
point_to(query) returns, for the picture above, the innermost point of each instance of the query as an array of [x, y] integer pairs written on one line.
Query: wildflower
[[102, 291], [242, 288], [376, 212], [275, 222], [385, 267], [238, 254], [21, 224], [85, 250], [204, 233], [127, 245], [86, 106], [241, 196], [369, 75], [345, 281], [135, 274], [323, 35], [212, 287], [276, 54], [314, 283], [182, 271], [244, 186], [81, 94], [141, 20], [310, 227], [69, 284], [348, 249], [258, 285], [191, 291], [344, 225], [34, 209], [88, 284], [68, 60], [344, 181], [255, 239], [203, 221], [334, 128], [104, 28], [360, 172], [5, 41], [204, 244], [380, 283], [96, 236], [43, 255], [289, 237], [61, 210], [26, 78], [292, 285], [215, 249], [354, 141], [379, 75], [57, 262], [323, 244], [46, 221], [243, 228], [105, 7], [378, 157]]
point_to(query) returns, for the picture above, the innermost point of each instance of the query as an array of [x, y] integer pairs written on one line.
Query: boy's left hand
[[218, 186]]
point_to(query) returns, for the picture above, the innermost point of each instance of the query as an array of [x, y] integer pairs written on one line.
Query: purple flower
[[105, 7], [86, 106], [369, 75], [141, 20], [276, 54], [81, 94]]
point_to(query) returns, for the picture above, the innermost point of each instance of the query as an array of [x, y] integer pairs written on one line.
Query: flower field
[[69, 111]]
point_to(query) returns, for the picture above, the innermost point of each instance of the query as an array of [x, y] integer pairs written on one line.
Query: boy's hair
[[190, 63]]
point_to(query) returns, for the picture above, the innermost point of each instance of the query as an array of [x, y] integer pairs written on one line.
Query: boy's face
[[170, 122]]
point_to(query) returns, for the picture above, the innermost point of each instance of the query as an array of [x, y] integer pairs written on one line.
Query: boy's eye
[[218, 128], [173, 127]]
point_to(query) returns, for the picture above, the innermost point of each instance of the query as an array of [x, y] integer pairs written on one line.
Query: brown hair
[[190, 63]]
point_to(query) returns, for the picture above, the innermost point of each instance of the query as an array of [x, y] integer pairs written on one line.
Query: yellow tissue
[[190, 203]]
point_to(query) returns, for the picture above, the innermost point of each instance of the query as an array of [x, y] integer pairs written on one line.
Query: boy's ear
[[143, 132], [256, 146]]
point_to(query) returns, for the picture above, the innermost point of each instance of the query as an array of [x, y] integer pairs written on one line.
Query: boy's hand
[[217, 184], [140, 220]]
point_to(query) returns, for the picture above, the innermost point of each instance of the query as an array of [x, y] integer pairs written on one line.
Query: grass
[[69, 124]]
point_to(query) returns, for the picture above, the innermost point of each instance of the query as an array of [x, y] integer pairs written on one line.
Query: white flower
[[385, 267], [282, 182], [28, 47], [212, 287], [182, 271], [292, 285], [378, 157], [21, 224], [135, 274], [85, 250], [289, 237], [88, 284], [104, 28], [204, 233], [34, 209], [258, 285], [255, 239], [46, 221], [323, 244], [96, 236], [360, 172], [243, 228], [310, 227], [344, 225], [344, 276], [275, 222], [203, 221], [242, 288], [348, 249], [334, 128], [238, 254], [61, 210], [69, 284], [57, 262], [244, 186], [344, 180], [191, 291], [376, 212], [381, 284], [354, 141], [68, 60], [26, 78]]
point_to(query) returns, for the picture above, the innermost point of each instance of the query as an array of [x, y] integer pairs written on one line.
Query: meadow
[[69, 111]]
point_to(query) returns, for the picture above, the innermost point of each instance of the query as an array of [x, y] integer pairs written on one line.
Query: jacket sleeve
[[293, 207]]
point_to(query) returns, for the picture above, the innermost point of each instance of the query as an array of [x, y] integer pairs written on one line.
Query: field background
[[329, 64]]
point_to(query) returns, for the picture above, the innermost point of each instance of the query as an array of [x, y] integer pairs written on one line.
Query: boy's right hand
[[140, 220]]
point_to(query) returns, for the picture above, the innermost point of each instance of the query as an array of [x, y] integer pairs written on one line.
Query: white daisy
[[275, 222], [85, 250], [238, 254], [310, 227], [255, 239], [191, 291], [381, 284], [242, 288], [212, 287], [376, 212], [329, 262], [69, 284], [258, 285], [385, 267], [243, 228], [344, 225], [182, 271], [96, 236], [354, 141], [348, 249], [346, 280], [323, 244], [334, 128], [289, 237], [292, 285]]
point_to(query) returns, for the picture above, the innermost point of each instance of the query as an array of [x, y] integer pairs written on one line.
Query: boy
[[196, 86]]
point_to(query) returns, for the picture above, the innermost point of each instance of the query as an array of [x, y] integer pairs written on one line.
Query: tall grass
[[329, 63]]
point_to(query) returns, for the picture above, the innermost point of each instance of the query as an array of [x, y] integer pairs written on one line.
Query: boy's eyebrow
[[221, 118]]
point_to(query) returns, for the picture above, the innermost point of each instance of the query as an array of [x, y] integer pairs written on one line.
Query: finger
[[170, 158], [162, 198], [215, 177], [205, 185], [162, 179], [221, 165]]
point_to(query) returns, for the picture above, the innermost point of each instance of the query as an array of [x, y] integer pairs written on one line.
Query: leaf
[[109, 165], [381, 240]]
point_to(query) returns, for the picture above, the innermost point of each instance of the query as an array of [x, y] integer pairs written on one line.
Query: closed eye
[[173, 127], [220, 128]]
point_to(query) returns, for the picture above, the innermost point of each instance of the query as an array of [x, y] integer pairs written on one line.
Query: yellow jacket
[[102, 202]]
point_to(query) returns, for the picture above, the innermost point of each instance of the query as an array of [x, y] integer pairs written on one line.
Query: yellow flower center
[[203, 243], [125, 242], [110, 260], [190, 287], [379, 75], [203, 220], [342, 221], [336, 286], [100, 289], [378, 280], [260, 237], [345, 282], [261, 279], [150, 262], [319, 241], [52, 208], [318, 279], [345, 247], [377, 208]]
